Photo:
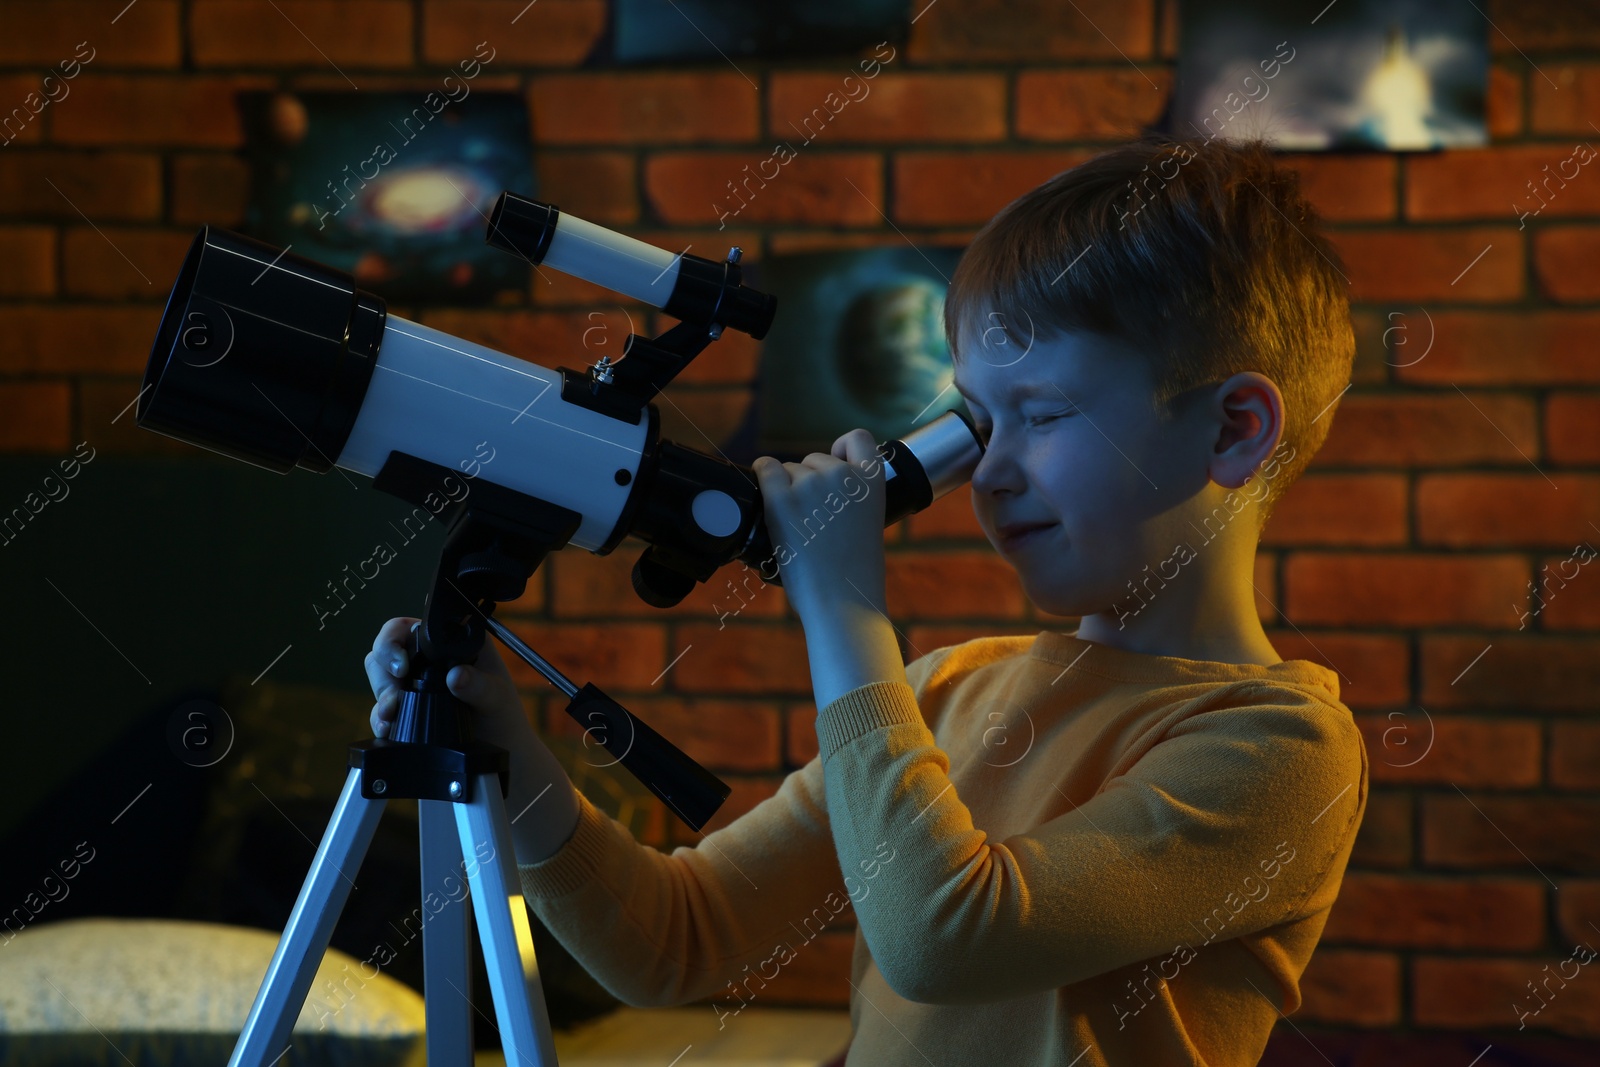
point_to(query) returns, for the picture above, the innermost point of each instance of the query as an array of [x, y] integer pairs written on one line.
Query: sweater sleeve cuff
[[574, 863], [864, 709]]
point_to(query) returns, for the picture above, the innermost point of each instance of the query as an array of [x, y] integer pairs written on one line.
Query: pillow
[[167, 993]]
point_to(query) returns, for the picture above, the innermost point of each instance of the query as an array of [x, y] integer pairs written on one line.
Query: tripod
[[491, 550]]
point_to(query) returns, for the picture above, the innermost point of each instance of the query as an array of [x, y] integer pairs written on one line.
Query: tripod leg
[[503, 926], [267, 1031], [447, 977]]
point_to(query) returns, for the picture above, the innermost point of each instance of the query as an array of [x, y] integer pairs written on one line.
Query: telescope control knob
[[657, 584]]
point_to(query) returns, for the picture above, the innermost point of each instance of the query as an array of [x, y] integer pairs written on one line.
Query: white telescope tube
[[543, 446]]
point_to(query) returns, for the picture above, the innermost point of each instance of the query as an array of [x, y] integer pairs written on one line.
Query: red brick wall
[[1449, 481]]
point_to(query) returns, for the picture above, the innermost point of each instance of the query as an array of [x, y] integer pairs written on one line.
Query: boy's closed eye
[[985, 430]]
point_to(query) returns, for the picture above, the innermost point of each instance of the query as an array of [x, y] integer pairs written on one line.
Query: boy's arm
[[1249, 808], [659, 930]]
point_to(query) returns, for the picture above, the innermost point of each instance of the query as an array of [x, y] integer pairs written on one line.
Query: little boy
[[1112, 845]]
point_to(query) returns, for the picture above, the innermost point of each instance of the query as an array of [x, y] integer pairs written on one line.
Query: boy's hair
[[1201, 253]]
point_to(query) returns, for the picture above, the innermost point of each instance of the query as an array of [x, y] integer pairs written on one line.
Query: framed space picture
[[1386, 75], [668, 31], [858, 340], [395, 188]]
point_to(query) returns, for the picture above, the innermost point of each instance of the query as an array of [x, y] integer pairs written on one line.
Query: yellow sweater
[[1057, 852]]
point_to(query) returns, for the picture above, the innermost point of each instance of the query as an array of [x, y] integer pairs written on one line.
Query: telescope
[[282, 362], [279, 361]]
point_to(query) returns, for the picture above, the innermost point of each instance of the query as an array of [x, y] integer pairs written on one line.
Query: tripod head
[[493, 547]]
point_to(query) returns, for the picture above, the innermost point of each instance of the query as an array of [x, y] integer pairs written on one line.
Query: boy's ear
[[1249, 413]]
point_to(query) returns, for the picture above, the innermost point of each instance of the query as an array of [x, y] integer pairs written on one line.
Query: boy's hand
[[498, 718], [825, 517], [487, 685]]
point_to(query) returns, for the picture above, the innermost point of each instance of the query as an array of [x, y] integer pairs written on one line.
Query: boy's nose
[[996, 473]]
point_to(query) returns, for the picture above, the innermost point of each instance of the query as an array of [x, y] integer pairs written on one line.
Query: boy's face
[[1074, 440]]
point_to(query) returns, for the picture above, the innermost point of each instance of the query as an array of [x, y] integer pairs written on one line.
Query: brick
[[38, 417], [1384, 839], [740, 658], [153, 110], [949, 517], [1565, 103], [1517, 671], [590, 586], [1502, 510], [1114, 104], [1492, 183], [27, 261], [1374, 669], [817, 975], [51, 185], [784, 243], [209, 190], [800, 735], [1523, 28], [704, 419], [1413, 747], [822, 188], [1406, 911], [943, 585], [1349, 988], [1487, 832], [117, 263], [1424, 429], [1340, 509], [62, 339], [984, 31], [1485, 993], [1509, 348], [1347, 188], [1564, 263], [1401, 589], [552, 33], [1381, 342], [731, 359], [328, 81], [745, 794], [803, 106], [289, 33], [953, 188], [554, 289], [1578, 911], [1572, 427], [644, 816], [617, 656], [717, 734], [548, 338], [1568, 590], [1503, 105], [146, 35], [1419, 265], [1575, 756], [644, 108], [598, 187], [21, 121], [535, 593]]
